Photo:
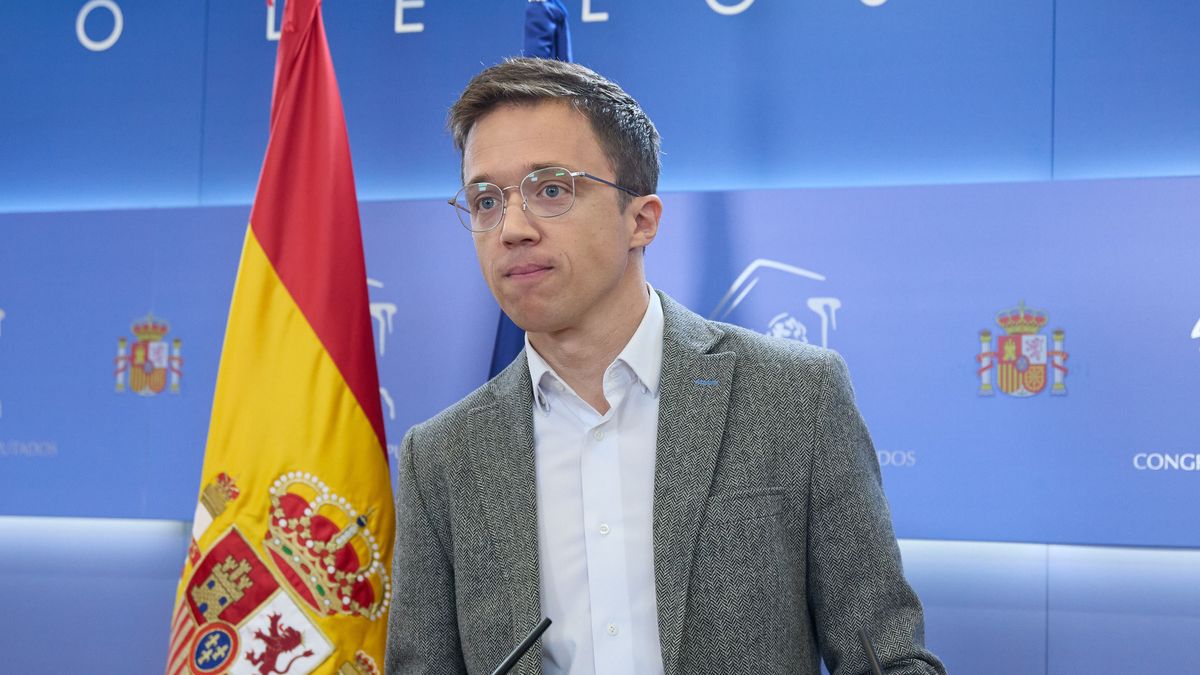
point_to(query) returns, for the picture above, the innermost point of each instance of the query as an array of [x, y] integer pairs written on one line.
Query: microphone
[[511, 660], [870, 651]]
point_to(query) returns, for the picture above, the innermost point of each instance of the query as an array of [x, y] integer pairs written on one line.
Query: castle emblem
[[150, 361], [325, 550], [1023, 360], [229, 583]]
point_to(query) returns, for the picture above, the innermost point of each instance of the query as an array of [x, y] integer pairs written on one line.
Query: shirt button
[[612, 629], [598, 435], [604, 528]]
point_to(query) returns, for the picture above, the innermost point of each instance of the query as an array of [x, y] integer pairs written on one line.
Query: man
[[677, 495]]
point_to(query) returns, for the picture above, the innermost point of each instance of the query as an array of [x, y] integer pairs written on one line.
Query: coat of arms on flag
[[150, 361], [1024, 359]]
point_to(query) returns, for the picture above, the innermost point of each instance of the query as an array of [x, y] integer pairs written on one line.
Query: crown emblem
[[361, 665], [324, 548], [217, 494], [148, 330], [1021, 321]]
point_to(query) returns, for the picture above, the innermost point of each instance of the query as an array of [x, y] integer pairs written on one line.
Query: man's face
[[551, 274]]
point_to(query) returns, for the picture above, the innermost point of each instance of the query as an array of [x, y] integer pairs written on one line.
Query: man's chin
[[531, 320]]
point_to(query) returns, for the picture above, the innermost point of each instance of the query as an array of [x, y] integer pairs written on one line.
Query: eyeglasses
[[545, 193]]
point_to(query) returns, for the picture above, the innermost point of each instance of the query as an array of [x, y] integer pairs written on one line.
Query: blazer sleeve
[[855, 578], [423, 634]]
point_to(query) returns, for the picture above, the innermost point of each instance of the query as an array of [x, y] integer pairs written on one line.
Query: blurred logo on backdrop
[[1195, 329], [781, 300], [1024, 361], [382, 316], [150, 363]]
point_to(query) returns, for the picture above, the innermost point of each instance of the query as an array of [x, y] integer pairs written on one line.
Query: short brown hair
[[624, 132]]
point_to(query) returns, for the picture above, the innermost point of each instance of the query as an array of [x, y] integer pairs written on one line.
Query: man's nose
[[515, 224]]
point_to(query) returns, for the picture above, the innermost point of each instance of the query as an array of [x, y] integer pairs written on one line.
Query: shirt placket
[[604, 534]]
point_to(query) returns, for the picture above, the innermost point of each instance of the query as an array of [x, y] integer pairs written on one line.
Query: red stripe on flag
[[176, 626], [305, 212], [180, 649], [174, 631]]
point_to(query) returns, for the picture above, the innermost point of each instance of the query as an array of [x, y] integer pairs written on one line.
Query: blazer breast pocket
[[732, 507]]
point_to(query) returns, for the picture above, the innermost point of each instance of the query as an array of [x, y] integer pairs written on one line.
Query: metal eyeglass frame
[[464, 215]]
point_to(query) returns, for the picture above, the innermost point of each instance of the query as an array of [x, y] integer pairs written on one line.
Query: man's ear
[[646, 212]]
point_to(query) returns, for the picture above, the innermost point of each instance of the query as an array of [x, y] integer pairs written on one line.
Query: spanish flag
[[291, 544]]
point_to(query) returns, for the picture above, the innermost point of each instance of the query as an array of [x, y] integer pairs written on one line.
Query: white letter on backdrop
[[402, 27], [728, 10], [272, 31], [589, 15], [118, 25]]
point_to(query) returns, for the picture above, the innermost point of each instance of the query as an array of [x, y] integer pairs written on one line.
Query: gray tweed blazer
[[773, 544]]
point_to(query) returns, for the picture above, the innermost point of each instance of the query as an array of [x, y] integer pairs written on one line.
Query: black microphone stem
[[870, 651], [517, 653]]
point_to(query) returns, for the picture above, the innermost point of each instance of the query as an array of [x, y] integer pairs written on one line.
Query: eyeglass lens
[[548, 192]]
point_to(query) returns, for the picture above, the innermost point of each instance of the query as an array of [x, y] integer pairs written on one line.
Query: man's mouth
[[528, 271]]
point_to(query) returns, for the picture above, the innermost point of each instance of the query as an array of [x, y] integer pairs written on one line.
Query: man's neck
[[581, 355]]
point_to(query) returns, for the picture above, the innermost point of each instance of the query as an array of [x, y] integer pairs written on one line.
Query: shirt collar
[[538, 371], [643, 352]]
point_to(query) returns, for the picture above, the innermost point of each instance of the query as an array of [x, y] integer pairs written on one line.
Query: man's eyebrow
[[529, 168]]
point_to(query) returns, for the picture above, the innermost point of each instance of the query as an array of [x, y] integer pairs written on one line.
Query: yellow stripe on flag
[[282, 408], [280, 400]]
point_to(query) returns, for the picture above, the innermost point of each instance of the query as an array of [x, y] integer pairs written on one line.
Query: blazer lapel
[[694, 390], [501, 438]]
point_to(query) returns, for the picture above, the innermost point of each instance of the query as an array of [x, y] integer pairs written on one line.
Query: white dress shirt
[[595, 492]]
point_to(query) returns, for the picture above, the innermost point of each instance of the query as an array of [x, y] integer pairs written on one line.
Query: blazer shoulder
[[760, 358], [776, 354], [450, 426]]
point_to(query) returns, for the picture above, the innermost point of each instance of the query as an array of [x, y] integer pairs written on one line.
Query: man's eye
[[554, 191], [485, 204]]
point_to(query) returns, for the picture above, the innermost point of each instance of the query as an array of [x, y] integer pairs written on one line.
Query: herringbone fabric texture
[[773, 544]]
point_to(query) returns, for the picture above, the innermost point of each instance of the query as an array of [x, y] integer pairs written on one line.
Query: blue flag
[[547, 36]]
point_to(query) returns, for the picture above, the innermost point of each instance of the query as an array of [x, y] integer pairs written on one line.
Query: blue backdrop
[[784, 93], [901, 281]]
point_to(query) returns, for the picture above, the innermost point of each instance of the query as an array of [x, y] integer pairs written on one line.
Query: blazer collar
[[501, 449], [695, 389]]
